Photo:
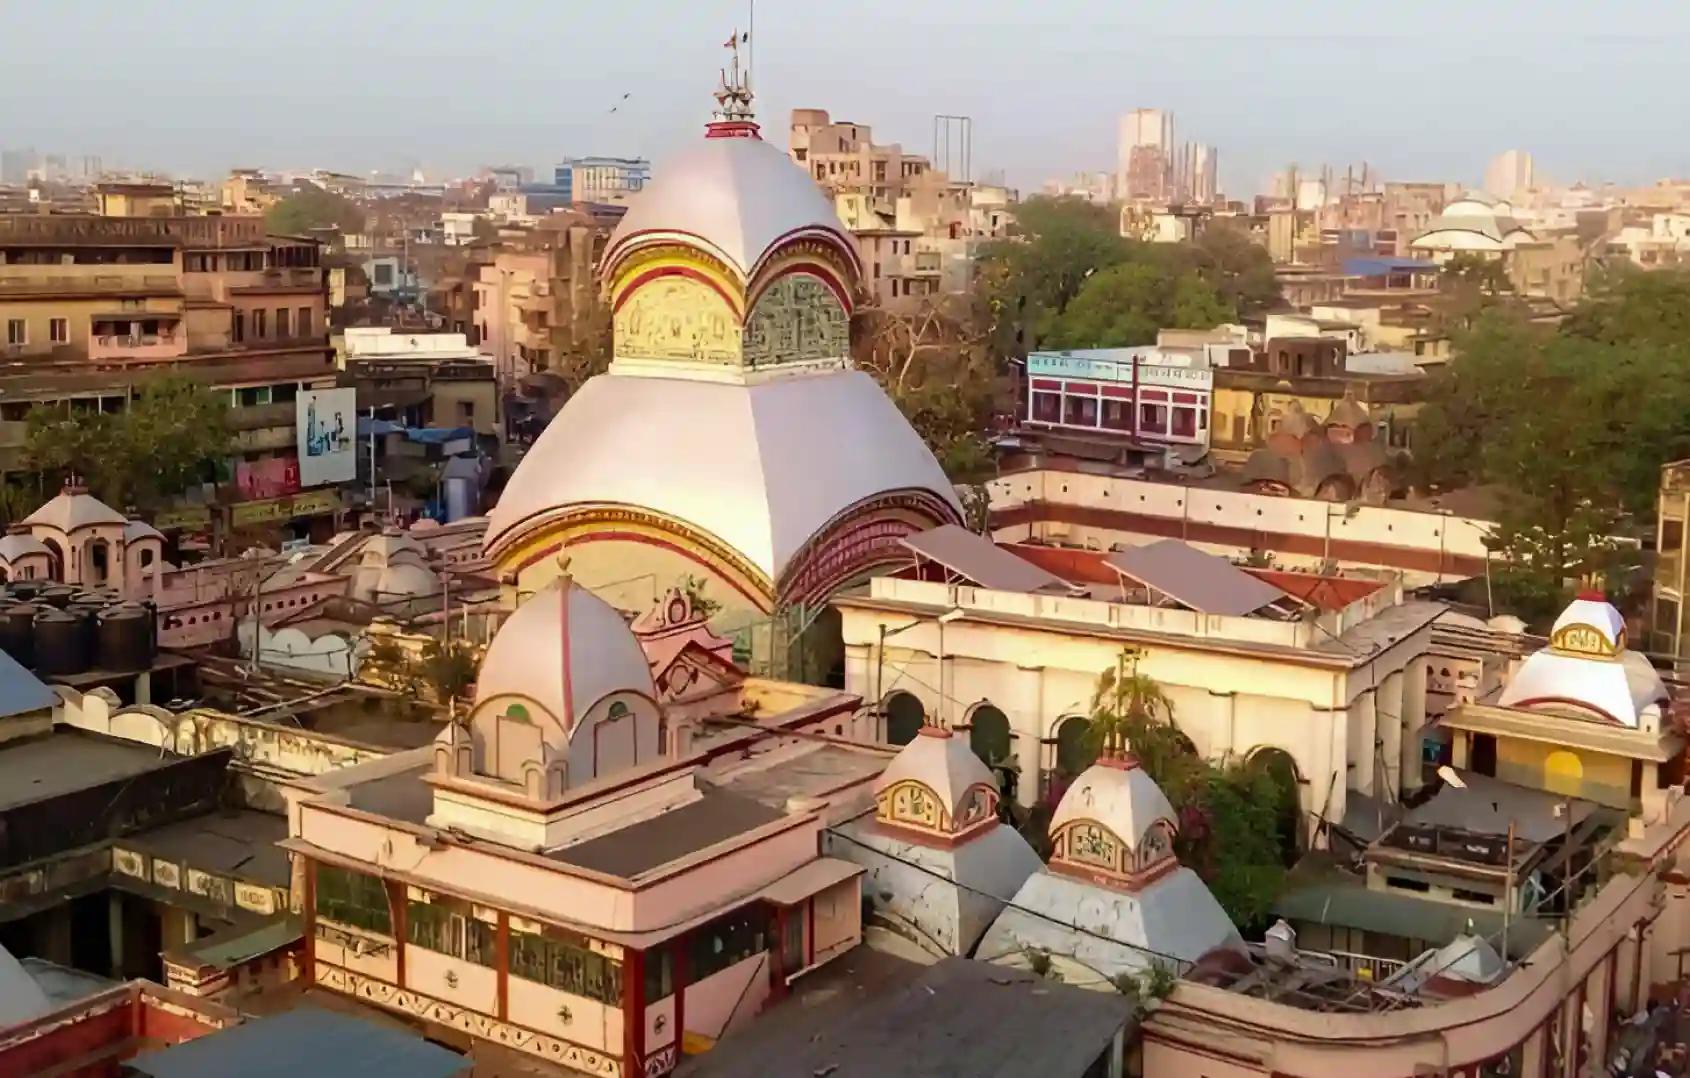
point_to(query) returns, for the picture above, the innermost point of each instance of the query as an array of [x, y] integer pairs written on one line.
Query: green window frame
[[353, 898], [449, 926], [560, 959]]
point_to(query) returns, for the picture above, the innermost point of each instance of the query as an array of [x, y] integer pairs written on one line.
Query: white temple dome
[[1588, 670], [566, 650], [761, 468], [1120, 795], [736, 198], [72, 508], [945, 765]]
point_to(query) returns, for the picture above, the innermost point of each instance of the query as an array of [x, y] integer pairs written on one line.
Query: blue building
[[600, 179]]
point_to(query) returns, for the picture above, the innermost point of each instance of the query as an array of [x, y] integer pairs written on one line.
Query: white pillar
[[1026, 719], [1413, 721], [1389, 724]]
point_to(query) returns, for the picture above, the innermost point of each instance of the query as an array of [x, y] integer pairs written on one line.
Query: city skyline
[[1265, 89]]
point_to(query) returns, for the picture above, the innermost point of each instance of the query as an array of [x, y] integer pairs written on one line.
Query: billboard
[[327, 422]]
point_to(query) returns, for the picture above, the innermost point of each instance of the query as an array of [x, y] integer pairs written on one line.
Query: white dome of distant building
[[392, 567], [1587, 669], [942, 766], [20, 544], [140, 529], [566, 650], [21, 999], [736, 198], [72, 508], [1472, 223]]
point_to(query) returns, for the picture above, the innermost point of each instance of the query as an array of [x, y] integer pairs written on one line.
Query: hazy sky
[[1421, 90]]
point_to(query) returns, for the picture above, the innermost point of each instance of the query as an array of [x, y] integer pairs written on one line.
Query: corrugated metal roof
[[981, 560], [1203, 582], [304, 1041], [21, 691]]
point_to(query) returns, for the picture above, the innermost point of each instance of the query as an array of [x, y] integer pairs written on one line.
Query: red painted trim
[[845, 245], [1048, 384], [679, 949], [760, 602], [502, 959], [813, 269], [633, 1010], [675, 271], [399, 913]]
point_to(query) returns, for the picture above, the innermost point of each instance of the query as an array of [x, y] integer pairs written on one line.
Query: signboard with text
[[327, 422], [1150, 372]]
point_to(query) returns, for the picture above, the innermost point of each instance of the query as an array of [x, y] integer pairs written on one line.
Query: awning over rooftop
[[1199, 581], [811, 879], [981, 560]]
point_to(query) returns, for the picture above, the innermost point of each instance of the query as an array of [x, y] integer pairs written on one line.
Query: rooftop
[[629, 851], [871, 1014], [816, 773], [321, 1043], [63, 762], [236, 843]]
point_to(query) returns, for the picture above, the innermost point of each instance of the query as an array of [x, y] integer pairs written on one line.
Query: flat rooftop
[[817, 773], [62, 762], [871, 1014], [235, 843], [629, 851]]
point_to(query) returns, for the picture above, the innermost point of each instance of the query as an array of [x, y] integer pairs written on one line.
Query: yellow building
[[1584, 717]]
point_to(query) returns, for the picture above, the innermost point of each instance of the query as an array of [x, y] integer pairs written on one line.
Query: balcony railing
[[138, 346], [52, 284]]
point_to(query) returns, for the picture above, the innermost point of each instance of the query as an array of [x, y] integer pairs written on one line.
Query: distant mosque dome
[[730, 440]]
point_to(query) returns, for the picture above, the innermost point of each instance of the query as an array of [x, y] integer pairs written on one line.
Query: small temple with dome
[[1114, 898], [1584, 716]]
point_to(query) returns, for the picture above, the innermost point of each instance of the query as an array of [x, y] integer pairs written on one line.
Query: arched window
[[904, 716], [1073, 746], [988, 734], [146, 558]]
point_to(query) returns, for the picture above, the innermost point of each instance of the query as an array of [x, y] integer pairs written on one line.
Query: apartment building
[[536, 301], [917, 229], [91, 306]]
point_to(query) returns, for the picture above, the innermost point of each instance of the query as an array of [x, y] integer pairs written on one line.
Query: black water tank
[[61, 642], [58, 595], [124, 639], [26, 590], [17, 632]]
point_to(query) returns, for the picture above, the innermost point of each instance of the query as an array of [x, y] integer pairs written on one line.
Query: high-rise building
[[16, 165], [1194, 174], [1509, 174], [1144, 167], [601, 179]]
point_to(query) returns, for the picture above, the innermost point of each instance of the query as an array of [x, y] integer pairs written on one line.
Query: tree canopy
[[1570, 424], [313, 207], [1070, 280], [164, 441]]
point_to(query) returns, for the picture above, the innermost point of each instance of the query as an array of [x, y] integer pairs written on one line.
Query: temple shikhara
[[730, 442]]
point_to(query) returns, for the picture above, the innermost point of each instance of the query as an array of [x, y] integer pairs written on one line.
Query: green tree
[[1627, 305], [312, 207], [165, 440], [1126, 304], [1235, 266]]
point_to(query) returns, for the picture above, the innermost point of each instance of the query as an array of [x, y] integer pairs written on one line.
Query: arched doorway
[[988, 735], [56, 553], [97, 562], [904, 716], [1278, 765], [1073, 746]]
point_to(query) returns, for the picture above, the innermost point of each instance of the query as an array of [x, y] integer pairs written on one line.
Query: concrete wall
[[728, 997], [1319, 525]]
